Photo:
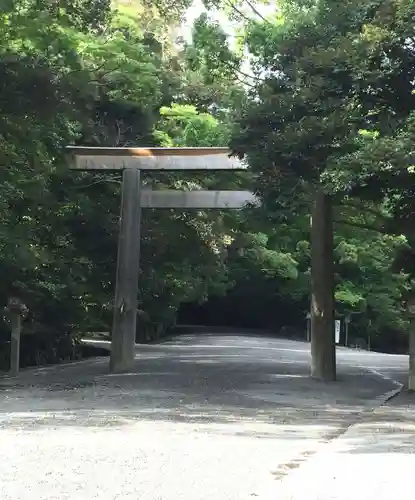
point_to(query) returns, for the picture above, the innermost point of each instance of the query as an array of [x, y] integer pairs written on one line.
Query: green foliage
[[65, 77], [334, 107], [335, 70], [211, 70], [187, 127]]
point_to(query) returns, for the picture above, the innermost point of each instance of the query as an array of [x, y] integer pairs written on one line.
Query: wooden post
[[323, 350], [128, 264], [15, 310], [16, 325], [411, 313]]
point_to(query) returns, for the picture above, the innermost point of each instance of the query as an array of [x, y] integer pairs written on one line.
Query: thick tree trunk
[[323, 351]]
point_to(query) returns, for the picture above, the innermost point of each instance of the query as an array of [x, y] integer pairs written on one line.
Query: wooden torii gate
[[135, 197]]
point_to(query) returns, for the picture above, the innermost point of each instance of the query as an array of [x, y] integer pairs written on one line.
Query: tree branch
[[245, 82], [362, 225], [100, 181], [246, 75], [369, 210], [237, 10], [256, 11]]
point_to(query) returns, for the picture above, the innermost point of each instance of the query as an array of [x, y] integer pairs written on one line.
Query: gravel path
[[200, 418], [373, 460]]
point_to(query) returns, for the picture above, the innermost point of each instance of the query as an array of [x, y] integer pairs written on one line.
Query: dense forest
[[316, 96]]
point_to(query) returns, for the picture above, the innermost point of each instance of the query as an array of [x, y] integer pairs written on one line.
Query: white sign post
[[337, 325]]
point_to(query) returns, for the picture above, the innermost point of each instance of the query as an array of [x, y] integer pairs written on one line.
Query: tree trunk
[[323, 350]]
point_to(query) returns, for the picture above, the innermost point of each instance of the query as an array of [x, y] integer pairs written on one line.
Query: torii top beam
[[97, 158]]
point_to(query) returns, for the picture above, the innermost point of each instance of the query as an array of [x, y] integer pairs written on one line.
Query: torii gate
[[132, 161]]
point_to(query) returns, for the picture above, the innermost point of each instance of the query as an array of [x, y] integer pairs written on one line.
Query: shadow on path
[[208, 379]]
